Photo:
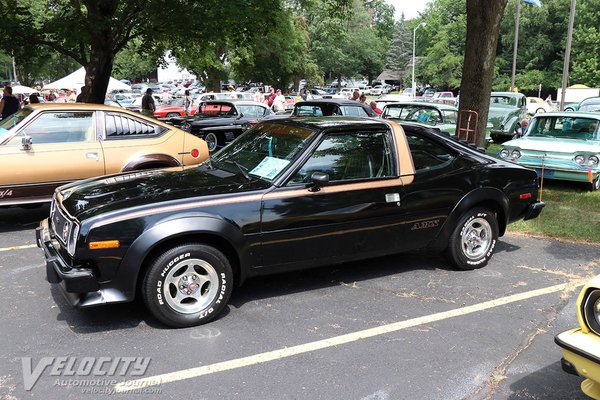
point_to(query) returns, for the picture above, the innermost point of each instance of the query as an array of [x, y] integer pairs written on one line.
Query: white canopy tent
[[19, 89], [76, 80]]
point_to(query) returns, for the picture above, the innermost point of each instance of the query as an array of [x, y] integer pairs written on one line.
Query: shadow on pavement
[[330, 276], [131, 315], [550, 382], [14, 219]]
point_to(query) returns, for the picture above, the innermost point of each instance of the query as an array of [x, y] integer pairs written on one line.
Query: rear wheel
[[540, 111], [173, 114], [188, 285], [473, 240], [213, 141]]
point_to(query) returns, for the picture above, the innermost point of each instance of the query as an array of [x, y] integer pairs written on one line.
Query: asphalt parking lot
[[401, 327]]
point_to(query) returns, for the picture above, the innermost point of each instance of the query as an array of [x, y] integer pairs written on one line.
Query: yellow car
[[581, 346], [45, 146]]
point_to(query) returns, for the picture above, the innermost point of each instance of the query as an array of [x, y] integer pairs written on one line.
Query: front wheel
[[188, 285], [173, 114], [473, 240], [595, 185]]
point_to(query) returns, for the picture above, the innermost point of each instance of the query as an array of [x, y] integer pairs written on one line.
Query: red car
[[173, 109]]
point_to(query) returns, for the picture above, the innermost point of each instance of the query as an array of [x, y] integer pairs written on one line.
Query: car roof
[[573, 114], [320, 123], [73, 106], [239, 102], [508, 94], [441, 106], [590, 100], [338, 101]]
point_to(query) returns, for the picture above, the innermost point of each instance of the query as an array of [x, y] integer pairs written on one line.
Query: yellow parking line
[[334, 341], [27, 246]]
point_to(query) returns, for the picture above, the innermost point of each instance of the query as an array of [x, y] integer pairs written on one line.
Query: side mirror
[[26, 143], [318, 180]]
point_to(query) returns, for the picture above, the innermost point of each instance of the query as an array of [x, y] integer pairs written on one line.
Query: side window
[[350, 156], [121, 126], [58, 127], [354, 111], [428, 155]]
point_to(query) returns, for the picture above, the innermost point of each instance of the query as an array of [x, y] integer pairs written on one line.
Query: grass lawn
[[572, 212]]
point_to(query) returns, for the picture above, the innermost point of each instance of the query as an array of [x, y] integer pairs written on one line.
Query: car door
[[358, 214], [64, 148]]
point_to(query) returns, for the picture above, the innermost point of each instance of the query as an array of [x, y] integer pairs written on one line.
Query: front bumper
[[560, 172], [581, 354], [73, 280]]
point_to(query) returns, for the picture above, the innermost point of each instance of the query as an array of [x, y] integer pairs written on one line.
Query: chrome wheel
[[191, 286], [477, 238], [211, 141]]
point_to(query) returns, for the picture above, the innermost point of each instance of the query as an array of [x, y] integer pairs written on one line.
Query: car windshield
[[590, 106], [413, 112], [177, 102], [503, 100], [565, 127], [8, 123], [264, 151], [216, 110]]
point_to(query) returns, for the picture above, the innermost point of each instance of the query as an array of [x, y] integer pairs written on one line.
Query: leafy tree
[[135, 60], [444, 36], [585, 55], [102, 27]]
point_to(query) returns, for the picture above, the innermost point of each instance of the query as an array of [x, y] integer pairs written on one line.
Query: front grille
[[60, 224]]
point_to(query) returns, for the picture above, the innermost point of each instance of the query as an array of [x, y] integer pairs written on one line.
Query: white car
[[536, 105], [348, 91]]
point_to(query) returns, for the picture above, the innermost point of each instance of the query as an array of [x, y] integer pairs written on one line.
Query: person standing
[[9, 103], [271, 97], [375, 108], [148, 106], [80, 96], [187, 102], [259, 97], [279, 101], [33, 98], [72, 98]]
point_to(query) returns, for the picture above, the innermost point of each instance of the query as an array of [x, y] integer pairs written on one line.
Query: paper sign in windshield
[[269, 167]]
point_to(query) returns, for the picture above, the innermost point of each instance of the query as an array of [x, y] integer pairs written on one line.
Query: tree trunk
[[97, 75], [483, 26]]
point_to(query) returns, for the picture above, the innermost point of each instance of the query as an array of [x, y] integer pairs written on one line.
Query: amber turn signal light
[[106, 244]]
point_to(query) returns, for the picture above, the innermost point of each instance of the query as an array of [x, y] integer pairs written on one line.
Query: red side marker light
[[525, 196], [195, 153]]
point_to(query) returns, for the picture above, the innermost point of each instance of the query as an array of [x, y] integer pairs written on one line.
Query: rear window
[[121, 126]]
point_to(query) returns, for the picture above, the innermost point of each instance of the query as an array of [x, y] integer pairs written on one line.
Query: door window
[[349, 157], [58, 127]]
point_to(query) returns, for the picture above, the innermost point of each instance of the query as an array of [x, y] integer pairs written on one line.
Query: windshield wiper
[[241, 168]]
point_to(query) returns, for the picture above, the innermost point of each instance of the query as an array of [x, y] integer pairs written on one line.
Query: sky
[[410, 7]]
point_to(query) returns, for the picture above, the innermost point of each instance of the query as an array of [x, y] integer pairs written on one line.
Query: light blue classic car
[[442, 116], [564, 145], [507, 109]]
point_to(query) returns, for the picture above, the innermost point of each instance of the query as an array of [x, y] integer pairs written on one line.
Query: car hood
[[217, 121], [544, 144], [85, 199]]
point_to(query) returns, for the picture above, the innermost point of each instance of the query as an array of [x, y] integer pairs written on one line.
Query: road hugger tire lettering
[[188, 285]]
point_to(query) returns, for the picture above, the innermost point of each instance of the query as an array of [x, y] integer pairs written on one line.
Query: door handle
[[392, 198], [92, 156]]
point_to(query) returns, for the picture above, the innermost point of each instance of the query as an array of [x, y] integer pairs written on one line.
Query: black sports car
[[287, 194], [219, 122]]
